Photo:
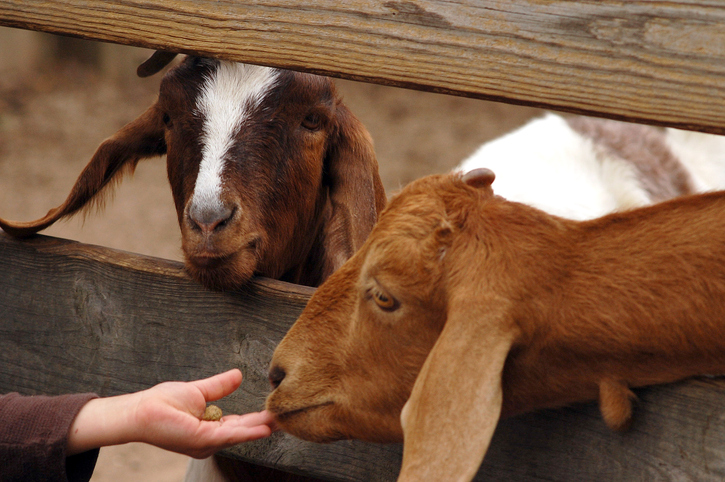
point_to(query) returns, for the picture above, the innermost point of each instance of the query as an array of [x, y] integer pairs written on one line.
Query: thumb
[[219, 386]]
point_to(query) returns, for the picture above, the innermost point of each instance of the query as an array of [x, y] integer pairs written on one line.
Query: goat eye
[[384, 301], [312, 122], [167, 120]]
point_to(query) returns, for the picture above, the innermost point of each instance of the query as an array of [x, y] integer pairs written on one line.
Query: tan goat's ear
[[144, 137], [455, 404], [356, 191], [480, 178]]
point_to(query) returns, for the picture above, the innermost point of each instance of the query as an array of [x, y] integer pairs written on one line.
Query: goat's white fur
[[227, 96], [548, 165]]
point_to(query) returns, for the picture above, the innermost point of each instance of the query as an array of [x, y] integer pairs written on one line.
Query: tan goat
[[462, 307]]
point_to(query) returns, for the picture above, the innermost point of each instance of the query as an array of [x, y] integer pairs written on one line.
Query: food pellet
[[212, 413]]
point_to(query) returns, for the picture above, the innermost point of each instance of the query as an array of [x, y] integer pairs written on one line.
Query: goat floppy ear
[[455, 404], [155, 63], [143, 137], [355, 189]]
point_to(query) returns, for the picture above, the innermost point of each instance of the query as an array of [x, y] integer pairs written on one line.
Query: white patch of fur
[[703, 155], [621, 179], [224, 102], [546, 164]]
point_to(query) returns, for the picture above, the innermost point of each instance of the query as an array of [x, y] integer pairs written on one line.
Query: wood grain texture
[[647, 61], [75, 318], [78, 318]]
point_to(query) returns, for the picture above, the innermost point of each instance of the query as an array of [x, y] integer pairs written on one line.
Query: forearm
[[102, 422]]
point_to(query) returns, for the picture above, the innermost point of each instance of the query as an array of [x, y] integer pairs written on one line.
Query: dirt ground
[[53, 118]]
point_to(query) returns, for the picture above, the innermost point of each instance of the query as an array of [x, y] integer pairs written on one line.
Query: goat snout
[[209, 218], [276, 375]]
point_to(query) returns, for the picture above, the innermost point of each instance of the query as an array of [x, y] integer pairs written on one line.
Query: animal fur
[[463, 307]]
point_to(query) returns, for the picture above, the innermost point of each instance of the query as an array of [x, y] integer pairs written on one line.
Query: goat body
[[582, 168], [462, 307], [270, 173]]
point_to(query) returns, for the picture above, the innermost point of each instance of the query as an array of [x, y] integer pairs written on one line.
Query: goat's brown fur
[[303, 199], [488, 307]]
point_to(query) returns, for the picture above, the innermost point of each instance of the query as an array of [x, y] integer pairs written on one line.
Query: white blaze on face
[[226, 98]]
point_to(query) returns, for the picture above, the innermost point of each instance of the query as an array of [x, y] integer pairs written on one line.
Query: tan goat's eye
[[384, 301]]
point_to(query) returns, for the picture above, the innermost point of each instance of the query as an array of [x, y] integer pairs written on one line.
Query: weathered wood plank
[[646, 61], [678, 434], [75, 318]]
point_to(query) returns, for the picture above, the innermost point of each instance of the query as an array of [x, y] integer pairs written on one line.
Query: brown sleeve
[[34, 437]]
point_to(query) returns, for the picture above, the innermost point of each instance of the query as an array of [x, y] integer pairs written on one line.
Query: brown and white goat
[[463, 307], [583, 168], [270, 173]]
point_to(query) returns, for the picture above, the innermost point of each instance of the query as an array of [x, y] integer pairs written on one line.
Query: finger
[[226, 436], [239, 431], [255, 433], [251, 419], [218, 386], [272, 421], [232, 430]]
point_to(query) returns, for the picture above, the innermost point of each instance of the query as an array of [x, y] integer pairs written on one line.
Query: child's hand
[[168, 415]]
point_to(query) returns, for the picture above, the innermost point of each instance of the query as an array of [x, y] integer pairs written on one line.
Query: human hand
[[168, 415]]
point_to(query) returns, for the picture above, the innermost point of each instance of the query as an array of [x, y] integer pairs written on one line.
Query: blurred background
[[61, 97]]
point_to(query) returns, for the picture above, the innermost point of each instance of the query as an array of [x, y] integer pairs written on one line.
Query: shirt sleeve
[[34, 437]]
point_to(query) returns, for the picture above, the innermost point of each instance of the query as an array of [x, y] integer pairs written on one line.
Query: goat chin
[[225, 272]]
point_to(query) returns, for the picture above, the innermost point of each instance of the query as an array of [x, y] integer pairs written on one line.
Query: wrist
[[101, 422]]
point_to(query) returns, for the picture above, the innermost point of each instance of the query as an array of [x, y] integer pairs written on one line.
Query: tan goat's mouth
[[284, 416]]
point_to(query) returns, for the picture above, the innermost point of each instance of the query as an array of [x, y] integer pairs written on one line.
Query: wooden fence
[[75, 317]]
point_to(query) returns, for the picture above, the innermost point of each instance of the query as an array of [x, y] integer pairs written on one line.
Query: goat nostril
[[210, 218], [276, 375]]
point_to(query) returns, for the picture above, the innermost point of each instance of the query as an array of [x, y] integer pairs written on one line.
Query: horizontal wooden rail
[[646, 61], [77, 318]]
